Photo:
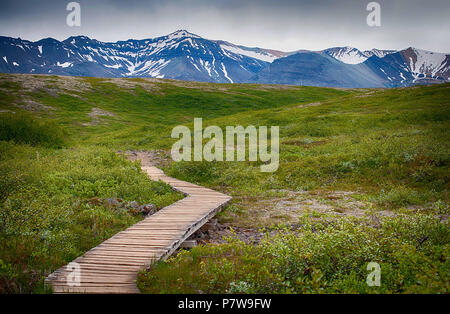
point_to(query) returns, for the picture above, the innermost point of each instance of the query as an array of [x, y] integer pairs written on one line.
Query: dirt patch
[[28, 83], [368, 94], [291, 206], [32, 105], [215, 232], [97, 112], [312, 104], [31, 83], [96, 115], [130, 84], [52, 85], [158, 158], [73, 84]]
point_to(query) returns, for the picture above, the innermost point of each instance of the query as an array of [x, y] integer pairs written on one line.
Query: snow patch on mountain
[[267, 57], [347, 55], [115, 66], [153, 68], [181, 34], [377, 52], [64, 65], [89, 58], [224, 70], [350, 55], [427, 62]]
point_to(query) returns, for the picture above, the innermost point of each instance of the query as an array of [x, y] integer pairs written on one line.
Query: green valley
[[363, 177]]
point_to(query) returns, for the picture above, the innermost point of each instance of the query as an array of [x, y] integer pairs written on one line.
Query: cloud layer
[[283, 24]]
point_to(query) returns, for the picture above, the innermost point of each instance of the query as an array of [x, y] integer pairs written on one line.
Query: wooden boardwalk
[[112, 266]]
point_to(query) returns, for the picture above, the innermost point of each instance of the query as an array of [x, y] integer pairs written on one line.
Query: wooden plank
[[96, 290]]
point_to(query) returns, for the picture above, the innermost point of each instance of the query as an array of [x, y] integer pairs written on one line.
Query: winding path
[[112, 266]]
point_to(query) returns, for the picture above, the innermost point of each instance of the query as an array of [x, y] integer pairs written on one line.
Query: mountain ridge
[[186, 56]]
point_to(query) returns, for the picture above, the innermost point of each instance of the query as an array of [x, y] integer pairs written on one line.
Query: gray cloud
[[282, 24]]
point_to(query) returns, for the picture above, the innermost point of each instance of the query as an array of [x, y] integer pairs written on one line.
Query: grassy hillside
[[363, 177]]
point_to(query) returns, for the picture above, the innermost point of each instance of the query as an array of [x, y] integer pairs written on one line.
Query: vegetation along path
[[112, 266]]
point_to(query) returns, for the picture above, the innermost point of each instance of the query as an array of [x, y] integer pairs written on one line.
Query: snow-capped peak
[[426, 62], [181, 34], [346, 54], [265, 55], [351, 55], [378, 52]]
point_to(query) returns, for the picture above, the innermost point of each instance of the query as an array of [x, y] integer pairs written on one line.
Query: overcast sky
[[277, 24]]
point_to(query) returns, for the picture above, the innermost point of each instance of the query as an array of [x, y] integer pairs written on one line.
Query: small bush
[[399, 196], [25, 129]]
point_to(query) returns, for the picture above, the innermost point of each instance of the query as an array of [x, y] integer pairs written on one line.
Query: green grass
[[393, 147], [390, 147]]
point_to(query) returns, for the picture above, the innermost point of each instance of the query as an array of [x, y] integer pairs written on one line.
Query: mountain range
[[185, 56]]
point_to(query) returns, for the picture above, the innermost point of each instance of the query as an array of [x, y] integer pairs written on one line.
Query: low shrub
[[326, 257], [26, 129]]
